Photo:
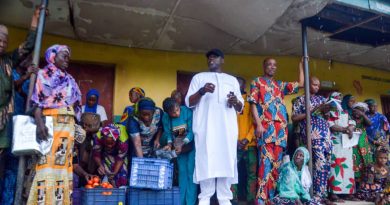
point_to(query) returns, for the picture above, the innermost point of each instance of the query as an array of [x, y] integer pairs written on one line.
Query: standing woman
[[145, 127], [342, 177], [379, 129], [56, 94], [348, 101], [362, 153], [135, 95], [92, 105]]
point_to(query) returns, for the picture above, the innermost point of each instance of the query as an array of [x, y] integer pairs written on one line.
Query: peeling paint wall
[[155, 71]]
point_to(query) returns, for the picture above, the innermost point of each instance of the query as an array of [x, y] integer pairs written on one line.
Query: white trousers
[[208, 188]]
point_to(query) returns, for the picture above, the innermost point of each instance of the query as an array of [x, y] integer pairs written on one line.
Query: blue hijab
[[93, 108]]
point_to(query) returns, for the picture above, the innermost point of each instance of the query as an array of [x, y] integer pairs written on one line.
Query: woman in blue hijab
[[92, 105]]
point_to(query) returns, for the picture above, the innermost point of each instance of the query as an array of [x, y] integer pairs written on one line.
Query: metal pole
[[307, 97], [35, 62]]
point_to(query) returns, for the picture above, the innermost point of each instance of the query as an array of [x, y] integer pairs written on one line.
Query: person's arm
[[257, 121], [122, 147], [298, 112], [28, 45], [157, 139], [43, 131], [190, 133], [195, 98], [103, 115], [367, 120], [97, 156], [166, 122], [301, 77], [337, 128], [81, 172], [133, 130], [137, 145]]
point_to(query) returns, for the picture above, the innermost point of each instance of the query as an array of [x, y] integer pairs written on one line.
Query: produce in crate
[[95, 183]]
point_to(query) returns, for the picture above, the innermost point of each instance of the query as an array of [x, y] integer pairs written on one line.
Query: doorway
[[97, 76]]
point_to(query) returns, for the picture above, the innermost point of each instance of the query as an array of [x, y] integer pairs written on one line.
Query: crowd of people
[[218, 131]]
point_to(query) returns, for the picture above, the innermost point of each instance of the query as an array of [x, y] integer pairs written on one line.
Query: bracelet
[[202, 91]]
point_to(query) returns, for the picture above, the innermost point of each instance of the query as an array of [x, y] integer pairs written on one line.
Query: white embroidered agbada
[[215, 127]]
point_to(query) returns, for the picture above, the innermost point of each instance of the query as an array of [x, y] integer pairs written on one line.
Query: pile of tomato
[[94, 182]]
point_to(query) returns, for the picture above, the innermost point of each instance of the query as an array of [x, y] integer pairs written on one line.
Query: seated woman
[[376, 176], [295, 181], [110, 154], [145, 127], [92, 106], [177, 123]]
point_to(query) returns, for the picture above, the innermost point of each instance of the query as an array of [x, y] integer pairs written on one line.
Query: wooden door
[[385, 100], [183, 80], [98, 76]]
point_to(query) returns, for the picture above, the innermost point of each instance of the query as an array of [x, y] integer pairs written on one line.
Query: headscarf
[[3, 30], [344, 104], [138, 90], [370, 102], [360, 105], [146, 104], [52, 52], [110, 131], [94, 107], [335, 102], [55, 88], [306, 177]]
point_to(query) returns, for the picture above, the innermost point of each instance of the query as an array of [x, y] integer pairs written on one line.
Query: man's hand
[[209, 87], [232, 99], [259, 131], [242, 143]]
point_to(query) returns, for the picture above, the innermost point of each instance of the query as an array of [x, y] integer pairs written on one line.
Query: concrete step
[[356, 203]]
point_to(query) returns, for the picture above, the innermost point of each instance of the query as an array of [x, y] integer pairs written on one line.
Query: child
[[177, 124], [377, 178]]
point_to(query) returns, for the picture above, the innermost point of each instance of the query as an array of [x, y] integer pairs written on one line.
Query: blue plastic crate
[[153, 197], [76, 196], [151, 173], [96, 196]]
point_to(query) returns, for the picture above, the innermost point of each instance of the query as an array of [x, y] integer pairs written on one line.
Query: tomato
[[109, 186], [90, 182], [96, 184], [95, 179], [88, 186], [105, 184]]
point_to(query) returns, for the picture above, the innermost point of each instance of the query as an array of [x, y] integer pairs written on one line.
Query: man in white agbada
[[215, 99]]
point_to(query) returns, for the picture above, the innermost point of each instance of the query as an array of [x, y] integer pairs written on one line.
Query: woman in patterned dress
[[56, 94], [342, 178], [362, 154]]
